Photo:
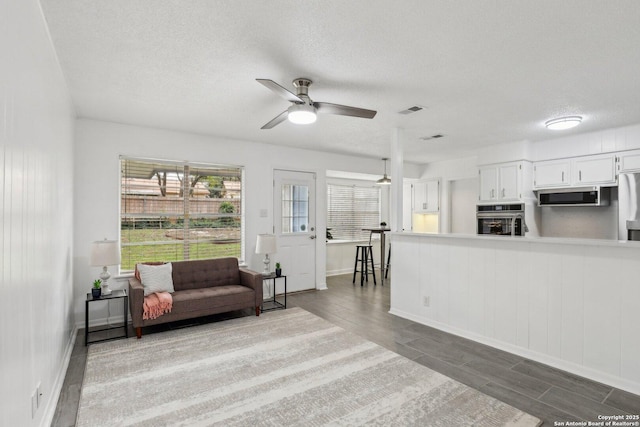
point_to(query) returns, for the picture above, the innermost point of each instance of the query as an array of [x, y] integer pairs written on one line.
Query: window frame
[[179, 164], [357, 234]]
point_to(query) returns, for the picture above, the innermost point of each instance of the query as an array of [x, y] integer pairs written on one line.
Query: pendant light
[[385, 180]]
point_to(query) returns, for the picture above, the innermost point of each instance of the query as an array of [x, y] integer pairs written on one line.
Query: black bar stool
[[386, 267], [364, 255]]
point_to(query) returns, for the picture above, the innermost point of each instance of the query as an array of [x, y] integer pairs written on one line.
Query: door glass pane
[[295, 208]]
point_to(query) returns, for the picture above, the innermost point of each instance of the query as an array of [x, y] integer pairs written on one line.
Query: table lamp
[[266, 244], [104, 253]]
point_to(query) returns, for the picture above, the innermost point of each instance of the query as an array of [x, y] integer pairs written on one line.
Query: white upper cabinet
[[488, 183], [505, 182], [594, 170], [426, 196], [575, 172], [551, 173], [508, 181], [629, 161]]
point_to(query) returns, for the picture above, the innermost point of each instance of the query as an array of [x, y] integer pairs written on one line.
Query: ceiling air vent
[[410, 110], [427, 138]]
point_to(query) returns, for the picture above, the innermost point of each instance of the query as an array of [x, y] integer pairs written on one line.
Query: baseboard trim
[[56, 390], [592, 374], [339, 272]]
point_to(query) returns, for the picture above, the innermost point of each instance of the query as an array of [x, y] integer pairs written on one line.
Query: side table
[[116, 294], [272, 303]]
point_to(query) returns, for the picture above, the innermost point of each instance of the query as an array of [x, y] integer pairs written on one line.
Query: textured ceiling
[[486, 72]]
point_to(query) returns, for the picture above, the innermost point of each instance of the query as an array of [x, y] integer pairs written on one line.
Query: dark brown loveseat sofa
[[202, 288]]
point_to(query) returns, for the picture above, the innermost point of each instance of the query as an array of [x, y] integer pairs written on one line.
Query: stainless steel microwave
[[583, 196]]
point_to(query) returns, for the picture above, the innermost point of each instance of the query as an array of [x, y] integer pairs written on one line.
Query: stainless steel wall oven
[[501, 220]]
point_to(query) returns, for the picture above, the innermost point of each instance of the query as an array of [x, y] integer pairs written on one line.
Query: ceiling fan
[[303, 110]]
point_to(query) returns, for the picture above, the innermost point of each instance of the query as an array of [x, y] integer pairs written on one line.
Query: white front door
[[295, 227]]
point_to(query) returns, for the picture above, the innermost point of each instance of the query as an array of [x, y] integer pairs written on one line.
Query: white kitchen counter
[[527, 239], [568, 303]]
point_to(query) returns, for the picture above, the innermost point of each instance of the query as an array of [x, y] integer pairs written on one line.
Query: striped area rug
[[284, 368]]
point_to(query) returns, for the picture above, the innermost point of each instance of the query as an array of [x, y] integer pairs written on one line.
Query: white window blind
[[350, 209], [173, 211]]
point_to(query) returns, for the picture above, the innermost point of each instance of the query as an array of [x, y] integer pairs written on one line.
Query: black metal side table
[[116, 294], [272, 303]]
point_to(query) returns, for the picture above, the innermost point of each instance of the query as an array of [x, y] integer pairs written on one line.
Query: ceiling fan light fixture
[[562, 123], [304, 110], [302, 114]]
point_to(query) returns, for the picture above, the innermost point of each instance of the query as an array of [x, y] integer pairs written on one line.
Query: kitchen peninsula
[[568, 303]]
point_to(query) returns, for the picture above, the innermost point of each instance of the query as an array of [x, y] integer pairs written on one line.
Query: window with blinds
[[174, 211], [350, 209]]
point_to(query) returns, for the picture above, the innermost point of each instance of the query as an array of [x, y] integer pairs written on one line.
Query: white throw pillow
[[156, 278]]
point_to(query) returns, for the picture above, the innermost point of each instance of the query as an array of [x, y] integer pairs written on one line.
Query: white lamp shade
[[105, 252], [266, 244]]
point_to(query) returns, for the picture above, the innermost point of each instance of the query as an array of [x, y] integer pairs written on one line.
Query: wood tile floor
[[547, 393]]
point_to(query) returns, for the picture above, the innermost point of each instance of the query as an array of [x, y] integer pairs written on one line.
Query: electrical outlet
[[426, 301]]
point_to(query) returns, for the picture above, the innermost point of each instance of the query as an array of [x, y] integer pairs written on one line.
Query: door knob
[[312, 237]]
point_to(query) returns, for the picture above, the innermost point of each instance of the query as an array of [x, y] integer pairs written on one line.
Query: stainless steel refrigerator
[[629, 206]]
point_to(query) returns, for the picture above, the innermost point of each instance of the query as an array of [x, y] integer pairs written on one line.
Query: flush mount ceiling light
[[563, 123], [385, 180], [301, 114]]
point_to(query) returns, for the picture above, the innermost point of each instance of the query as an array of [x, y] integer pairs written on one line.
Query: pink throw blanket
[[157, 304]]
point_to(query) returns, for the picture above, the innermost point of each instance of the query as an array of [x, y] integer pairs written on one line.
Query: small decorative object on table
[[97, 289], [278, 270], [383, 224]]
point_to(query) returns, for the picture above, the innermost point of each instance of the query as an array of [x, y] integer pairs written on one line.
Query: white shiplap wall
[[36, 136], [566, 305]]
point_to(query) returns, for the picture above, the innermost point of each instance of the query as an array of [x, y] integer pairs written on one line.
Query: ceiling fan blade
[[277, 120], [279, 90], [344, 110]]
